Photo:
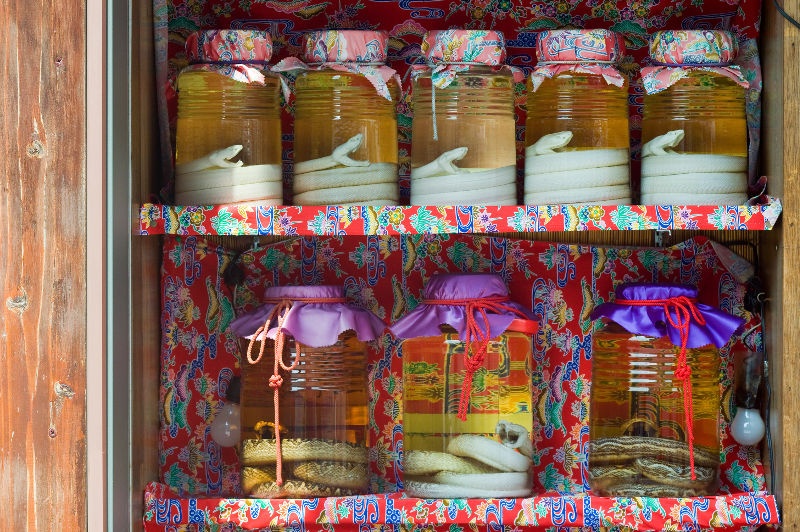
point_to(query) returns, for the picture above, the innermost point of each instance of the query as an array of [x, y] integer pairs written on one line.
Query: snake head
[[551, 142], [220, 157], [511, 434]]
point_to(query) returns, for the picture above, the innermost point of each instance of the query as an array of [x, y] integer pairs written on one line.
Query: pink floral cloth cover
[[448, 52], [353, 51], [679, 52], [580, 51], [241, 55]]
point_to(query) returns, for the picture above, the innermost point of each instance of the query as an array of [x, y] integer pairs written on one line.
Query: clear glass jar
[[467, 405], [464, 116], [227, 113], [338, 110], [694, 125], [577, 135], [304, 414], [655, 406], [323, 420]]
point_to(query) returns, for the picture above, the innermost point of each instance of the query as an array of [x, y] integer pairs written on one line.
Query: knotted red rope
[[475, 334], [680, 311], [280, 311]]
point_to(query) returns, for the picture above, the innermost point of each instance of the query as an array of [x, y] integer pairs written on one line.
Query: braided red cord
[[685, 311], [280, 310], [475, 335]]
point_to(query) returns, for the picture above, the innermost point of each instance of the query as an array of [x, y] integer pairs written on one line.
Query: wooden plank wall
[[42, 265]]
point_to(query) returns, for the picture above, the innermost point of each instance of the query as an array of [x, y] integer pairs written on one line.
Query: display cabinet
[[142, 230]]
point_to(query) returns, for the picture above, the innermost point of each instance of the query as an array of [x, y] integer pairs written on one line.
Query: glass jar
[[304, 414], [463, 114], [228, 138], [655, 398], [467, 391], [345, 122], [577, 140], [694, 125]]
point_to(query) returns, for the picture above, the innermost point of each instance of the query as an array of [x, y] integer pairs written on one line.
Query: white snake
[[214, 179], [673, 178], [473, 466], [554, 175], [441, 182], [338, 179]]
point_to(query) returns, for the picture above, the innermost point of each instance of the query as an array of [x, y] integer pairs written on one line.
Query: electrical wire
[[767, 396], [786, 15]]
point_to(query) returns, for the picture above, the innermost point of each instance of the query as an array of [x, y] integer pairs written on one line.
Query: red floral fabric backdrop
[[560, 283], [407, 21]]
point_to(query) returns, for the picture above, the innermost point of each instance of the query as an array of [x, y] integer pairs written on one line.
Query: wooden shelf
[[158, 219], [723, 512]]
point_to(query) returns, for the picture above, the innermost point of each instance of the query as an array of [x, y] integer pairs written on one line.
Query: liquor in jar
[[655, 399], [304, 412], [345, 123], [467, 390], [464, 116], [694, 125], [228, 138], [577, 140]]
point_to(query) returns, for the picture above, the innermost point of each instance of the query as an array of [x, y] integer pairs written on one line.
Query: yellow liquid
[[215, 112], [433, 373], [332, 106], [708, 107], [635, 393], [630, 375], [476, 111], [595, 112], [324, 397]]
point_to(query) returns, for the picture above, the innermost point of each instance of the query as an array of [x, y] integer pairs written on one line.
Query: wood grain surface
[[42, 266]]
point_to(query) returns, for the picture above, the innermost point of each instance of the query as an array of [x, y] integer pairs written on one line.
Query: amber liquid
[[475, 111], [635, 393], [215, 112], [324, 397], [708, 107], [595, 112], [331, 107], [500, 391]]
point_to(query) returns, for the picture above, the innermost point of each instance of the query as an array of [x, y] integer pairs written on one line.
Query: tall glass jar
[[577, 140], [463, 114], [655, 399], [694, 126], [345, 122], [304, 412], [467, 390], [228, 138]]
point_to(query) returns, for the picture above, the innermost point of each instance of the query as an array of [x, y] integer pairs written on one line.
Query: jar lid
[[579, 46], [345, 46], [313, 315], [446, 298], [693, 47], [229, 46], [653, 310], [485, 47]]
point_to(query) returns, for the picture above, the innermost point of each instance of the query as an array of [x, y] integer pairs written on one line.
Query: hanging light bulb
[[226, 427], [747, 427]]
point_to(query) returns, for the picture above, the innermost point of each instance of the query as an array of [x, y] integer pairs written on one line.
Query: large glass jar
[[345, 122], [467, 390], [577, 140], [694, 125], [304, 412], [464, 115], [228, 138], [655, 399]]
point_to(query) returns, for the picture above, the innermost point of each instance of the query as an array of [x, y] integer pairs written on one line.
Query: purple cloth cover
[[651, 320], [312, 324], [425, 319]]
